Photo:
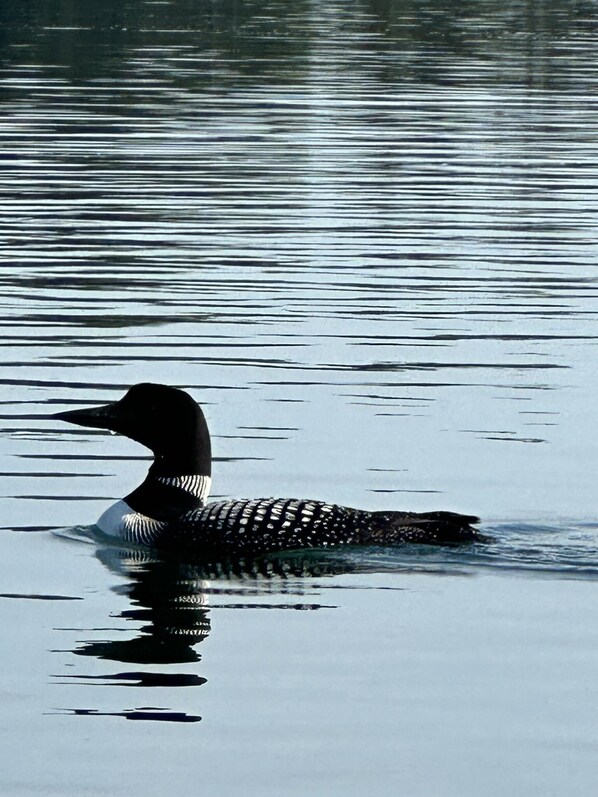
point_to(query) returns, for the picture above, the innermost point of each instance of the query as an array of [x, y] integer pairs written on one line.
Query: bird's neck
[[196, 461], [166, 498], [177, 482]]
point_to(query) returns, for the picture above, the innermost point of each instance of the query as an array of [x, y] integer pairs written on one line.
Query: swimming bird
[[169, 510]]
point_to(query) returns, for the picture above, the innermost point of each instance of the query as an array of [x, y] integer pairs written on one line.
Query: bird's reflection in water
[[170, 600]]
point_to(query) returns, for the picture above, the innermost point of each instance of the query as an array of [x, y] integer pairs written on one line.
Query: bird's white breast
[[114, 520]]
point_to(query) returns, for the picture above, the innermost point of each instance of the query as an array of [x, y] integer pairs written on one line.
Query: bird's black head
[[164, 419]]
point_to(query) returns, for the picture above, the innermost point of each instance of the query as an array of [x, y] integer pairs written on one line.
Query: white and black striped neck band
[[196, 485]]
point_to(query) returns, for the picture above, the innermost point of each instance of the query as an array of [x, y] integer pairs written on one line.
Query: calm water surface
[[363, 235]]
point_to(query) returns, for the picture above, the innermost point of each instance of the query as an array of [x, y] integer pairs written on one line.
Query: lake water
[[363, 235]]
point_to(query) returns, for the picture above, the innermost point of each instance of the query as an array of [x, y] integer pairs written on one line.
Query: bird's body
[[168, 510], [268, 525]]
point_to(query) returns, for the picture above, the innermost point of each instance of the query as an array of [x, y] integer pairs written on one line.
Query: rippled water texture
[[363, 235]]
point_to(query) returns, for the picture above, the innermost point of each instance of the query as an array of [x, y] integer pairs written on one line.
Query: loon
[[169, 511]]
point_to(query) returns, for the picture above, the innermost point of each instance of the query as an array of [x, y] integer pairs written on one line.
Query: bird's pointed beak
[[105, 417]]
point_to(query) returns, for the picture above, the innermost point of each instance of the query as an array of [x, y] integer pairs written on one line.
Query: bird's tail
[[427, 528]]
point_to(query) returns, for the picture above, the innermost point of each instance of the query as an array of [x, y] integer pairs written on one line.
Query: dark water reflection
[[220, 40]]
